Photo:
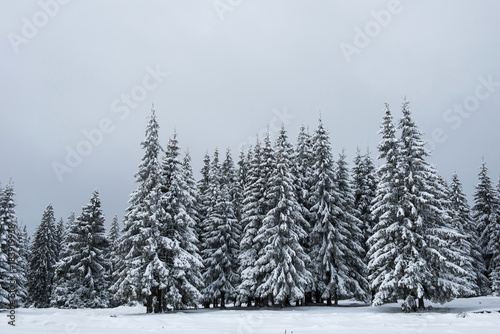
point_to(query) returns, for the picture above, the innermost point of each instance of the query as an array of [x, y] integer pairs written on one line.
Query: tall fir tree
[[203, 202], [304, 176], [82, 273], [410, 257], [141, 272], [252, 215], [221, 239], [354, 253], [335, 252], [486, 214], [282, 260], [461, 220], [180, 256], [364, 187], [113, 236], [23, 264], [4, 254], [12, 262], [43, 260]]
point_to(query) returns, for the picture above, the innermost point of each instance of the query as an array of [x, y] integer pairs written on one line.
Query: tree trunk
[[329, 301], [149, 304], [222, 300], [318, 297], [421, 305]]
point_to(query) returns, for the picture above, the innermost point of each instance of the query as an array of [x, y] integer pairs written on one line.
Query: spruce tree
[[22, 265], [83, 270], [12, 263], [486, 214], [140, 273], [4, 254], [410, 254], [240, 180], [354, 253], [60, 231], [282, 260], [180, 258], [461, 220], [220, 236], [364, 187], [43, 260], [252, 215], [336, 252], [304, 176]]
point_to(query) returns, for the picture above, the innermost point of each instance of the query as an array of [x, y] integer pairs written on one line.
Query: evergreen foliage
[[82, 273], [43, 260]]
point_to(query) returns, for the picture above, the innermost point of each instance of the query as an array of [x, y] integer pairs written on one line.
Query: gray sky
[[234, 66]]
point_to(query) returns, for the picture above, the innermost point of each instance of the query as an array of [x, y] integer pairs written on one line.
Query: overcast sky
[[218, 72]]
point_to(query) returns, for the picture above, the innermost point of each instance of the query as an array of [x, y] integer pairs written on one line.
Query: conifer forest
[[286, 222]]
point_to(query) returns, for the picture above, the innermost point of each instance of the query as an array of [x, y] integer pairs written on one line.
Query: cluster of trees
[[284, 224]]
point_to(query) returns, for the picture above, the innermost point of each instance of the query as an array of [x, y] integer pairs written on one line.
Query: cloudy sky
[[78, 79]]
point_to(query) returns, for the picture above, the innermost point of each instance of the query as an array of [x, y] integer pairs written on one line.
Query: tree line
[[284, 224]]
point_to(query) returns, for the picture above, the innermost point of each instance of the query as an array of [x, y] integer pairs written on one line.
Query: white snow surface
[[350, 317]]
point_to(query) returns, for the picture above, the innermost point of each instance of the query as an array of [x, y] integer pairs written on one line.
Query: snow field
[[455, 317]]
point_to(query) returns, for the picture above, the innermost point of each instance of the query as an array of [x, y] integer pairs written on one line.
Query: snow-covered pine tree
[[63, 275], [43, 260], [22, 264], [486, 214], [180, 258], [304, 173], [192, 195], [60, 231], [230, 178], [203, 200], [220, 236], [252, 215], [11, 260], [354, 254], [4, 256], [410, 254], [461, 220], [241, 175], [495, 246], [282, 260], [114, 258], [87, 262], [335, 277], [114, 232], [385, 241], [364, 187], [70, 221], [140, 271]]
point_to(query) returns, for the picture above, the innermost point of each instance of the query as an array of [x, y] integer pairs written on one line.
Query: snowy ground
[[456, 317]]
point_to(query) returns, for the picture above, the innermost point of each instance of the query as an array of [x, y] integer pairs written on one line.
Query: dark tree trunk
[[421, 305], [329, 301], [149, 304], [308, 298], [222, 300], [318, 297], [157, 306]]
